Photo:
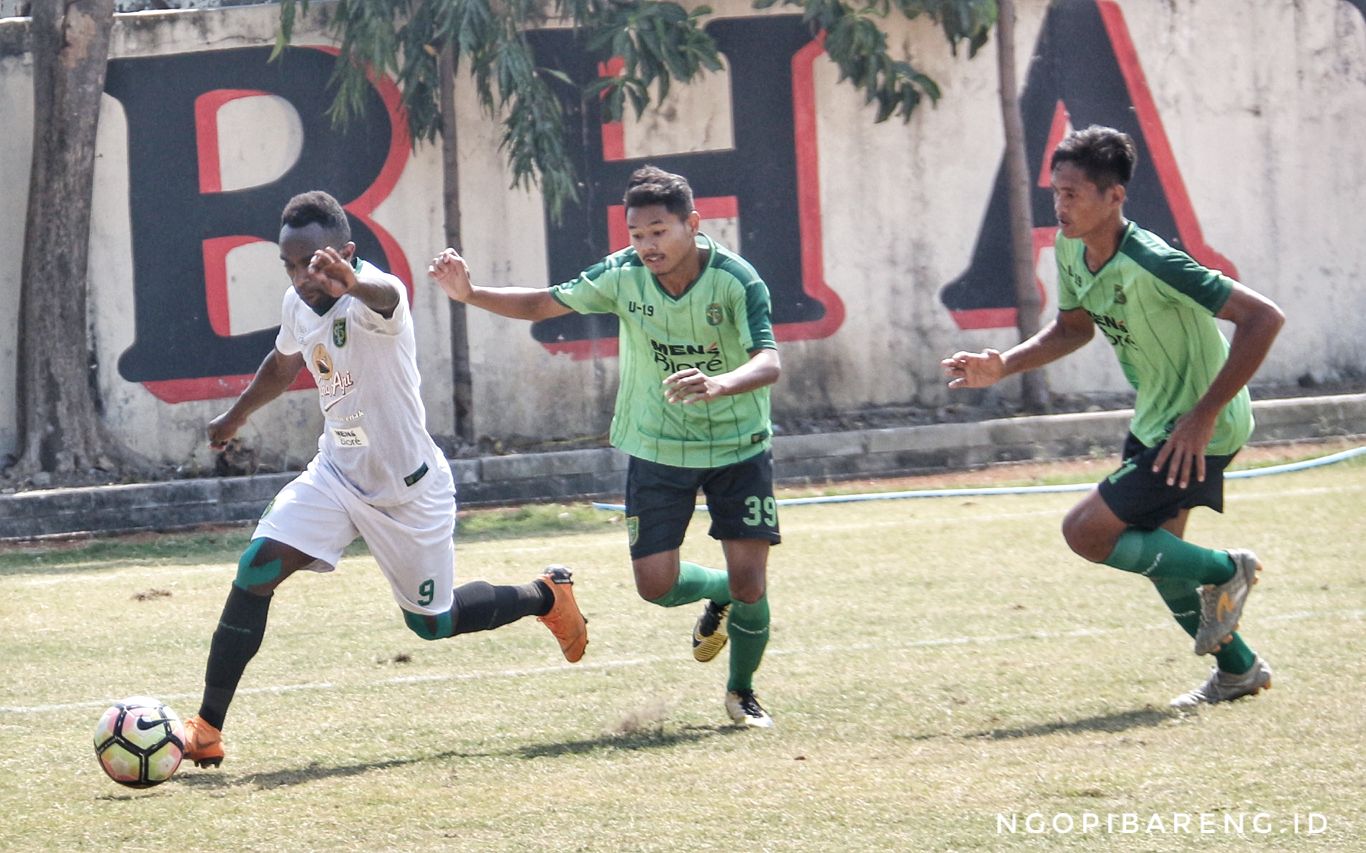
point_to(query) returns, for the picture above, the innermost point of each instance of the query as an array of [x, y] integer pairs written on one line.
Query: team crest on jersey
[[714, 314], [339, 333], [1119, 295], [632, 529]]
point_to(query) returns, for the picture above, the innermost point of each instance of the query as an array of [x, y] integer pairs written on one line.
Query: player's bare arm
[[1256, 321], [333, 271], [691, 385], [452, 274], [1067, 333], [275, 374]]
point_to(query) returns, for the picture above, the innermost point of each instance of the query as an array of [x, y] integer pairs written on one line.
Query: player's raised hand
[[974, 369], [450, 271], [332, 271]]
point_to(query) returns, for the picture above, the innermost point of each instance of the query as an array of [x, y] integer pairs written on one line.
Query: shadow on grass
[[650, 739], [653, 739], [1117, 722]]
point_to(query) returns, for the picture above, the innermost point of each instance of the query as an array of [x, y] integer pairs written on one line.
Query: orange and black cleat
[[203, 743], [564, 620]]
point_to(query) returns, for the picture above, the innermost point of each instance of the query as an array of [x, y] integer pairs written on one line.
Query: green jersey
[[714, 326], [1156, 306]]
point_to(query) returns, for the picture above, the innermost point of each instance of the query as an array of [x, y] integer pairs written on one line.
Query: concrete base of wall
[[579, 474]]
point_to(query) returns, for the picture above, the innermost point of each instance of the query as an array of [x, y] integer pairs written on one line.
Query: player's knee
[[429, 627], [1082, 540], [746, 593], [257, 571], [653, 584]]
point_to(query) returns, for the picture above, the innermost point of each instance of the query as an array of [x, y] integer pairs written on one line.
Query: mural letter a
[[1085, 71]]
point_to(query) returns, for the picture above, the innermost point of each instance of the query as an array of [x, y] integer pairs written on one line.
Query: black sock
[[235, 643], [481, 606]]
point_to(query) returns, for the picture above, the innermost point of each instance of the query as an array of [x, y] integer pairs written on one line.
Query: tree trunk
[[1034, 387], [461, 383], [59, 424]]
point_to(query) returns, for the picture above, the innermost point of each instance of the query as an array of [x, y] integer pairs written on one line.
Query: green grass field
[[945, 675]]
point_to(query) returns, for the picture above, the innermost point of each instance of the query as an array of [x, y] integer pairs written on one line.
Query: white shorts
[[413, 542]]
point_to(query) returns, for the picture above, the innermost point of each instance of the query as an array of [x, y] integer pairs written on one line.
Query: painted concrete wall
[[881, 243]]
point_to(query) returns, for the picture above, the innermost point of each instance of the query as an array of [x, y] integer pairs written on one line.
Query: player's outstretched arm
[[452, 275], [1256, 321], [1067, 333], [274, 375]]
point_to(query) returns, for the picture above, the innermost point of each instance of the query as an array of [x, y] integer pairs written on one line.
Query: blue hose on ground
[[1288, 468]]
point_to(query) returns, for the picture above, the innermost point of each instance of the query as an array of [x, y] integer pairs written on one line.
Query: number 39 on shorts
[[762, 511]]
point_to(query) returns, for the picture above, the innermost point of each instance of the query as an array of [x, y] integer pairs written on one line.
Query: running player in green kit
[[1157, 307], [692, 411]]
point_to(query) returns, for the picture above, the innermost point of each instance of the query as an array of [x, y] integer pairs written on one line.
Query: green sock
[[1158, 553], [1182, 598], [694, 584], [748, 632]]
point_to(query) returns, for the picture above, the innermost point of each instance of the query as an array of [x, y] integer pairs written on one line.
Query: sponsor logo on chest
[[333, 384], [675, 357]]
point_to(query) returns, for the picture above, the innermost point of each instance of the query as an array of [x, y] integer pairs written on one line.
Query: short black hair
[[1106, 155], [652, 185], [321, 208]]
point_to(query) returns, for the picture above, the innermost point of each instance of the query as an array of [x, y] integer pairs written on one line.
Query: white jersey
[[365, 365]]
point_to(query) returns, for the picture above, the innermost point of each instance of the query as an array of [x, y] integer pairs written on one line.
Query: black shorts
[[1143, 499], [661, 500]]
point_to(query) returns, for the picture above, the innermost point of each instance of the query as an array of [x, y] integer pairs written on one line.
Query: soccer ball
[[139, 742]]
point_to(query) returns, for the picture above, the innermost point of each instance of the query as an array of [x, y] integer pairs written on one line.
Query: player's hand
[[974, 369], [330, 269], [450, 271], [1184, 452], [691, 385], [221, 429]]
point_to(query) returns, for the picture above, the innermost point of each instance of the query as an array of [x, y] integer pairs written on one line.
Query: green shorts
[[661, 501], [1143, 499]]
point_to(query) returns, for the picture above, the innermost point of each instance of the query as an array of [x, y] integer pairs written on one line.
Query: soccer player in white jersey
[[692, 411], [377, 473], [1157, 307]]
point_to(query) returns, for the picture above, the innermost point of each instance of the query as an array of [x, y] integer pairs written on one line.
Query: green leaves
[[655, 43], [857, 44]]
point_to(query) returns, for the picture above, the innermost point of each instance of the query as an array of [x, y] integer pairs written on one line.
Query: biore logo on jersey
[[350, 437], [1115, 331], [676, 357]]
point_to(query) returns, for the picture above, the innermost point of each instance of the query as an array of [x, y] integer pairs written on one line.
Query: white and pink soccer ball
[[139, 742]]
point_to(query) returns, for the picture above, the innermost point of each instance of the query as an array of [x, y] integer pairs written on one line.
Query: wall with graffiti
[[884, 246]]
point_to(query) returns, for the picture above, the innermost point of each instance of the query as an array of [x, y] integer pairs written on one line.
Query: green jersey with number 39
[[1156, 306], [715, 325]]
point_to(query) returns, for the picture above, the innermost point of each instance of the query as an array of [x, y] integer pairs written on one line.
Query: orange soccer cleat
[[203, 743], [565, 620]]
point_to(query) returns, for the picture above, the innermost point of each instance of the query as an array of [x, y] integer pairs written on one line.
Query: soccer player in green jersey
[[1157, 307], [692, 411]]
